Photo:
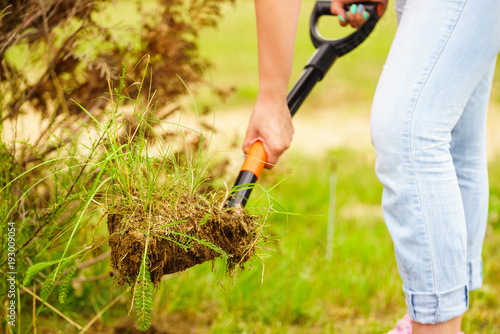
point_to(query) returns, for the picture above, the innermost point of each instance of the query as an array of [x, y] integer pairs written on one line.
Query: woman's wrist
[[272, 94], [272, 105]]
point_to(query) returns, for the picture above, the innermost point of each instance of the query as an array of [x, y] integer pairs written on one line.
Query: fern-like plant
[[144, 296], [66, 283], [37, 267]]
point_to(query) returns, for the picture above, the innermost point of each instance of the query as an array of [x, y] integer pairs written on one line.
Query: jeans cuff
[[475, 273], [433, 308]]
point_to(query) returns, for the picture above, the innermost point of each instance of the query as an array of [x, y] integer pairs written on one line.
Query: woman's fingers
[[337, 8], [356, 15]]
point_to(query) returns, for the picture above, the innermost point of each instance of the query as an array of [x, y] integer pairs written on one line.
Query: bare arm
[[270, 121]]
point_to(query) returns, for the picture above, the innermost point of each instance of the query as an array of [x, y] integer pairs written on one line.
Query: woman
[[428, 128]]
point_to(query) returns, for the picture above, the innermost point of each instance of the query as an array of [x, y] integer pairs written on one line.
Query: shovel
[[327, 51]]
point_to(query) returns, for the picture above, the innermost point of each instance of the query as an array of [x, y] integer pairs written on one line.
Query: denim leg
[[399, 5], [440, 57], [468, 149]]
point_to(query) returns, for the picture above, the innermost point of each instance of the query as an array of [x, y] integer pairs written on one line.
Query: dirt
[[181, 235]]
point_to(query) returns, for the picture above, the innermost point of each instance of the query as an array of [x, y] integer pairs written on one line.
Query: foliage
[[143, 294], [191, 239], [152, 166], [48, 284], [36, 268], [66, 283], [144, 299], [57, 50]]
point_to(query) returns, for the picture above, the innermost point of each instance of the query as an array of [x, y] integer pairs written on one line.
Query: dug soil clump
[[179, 235]]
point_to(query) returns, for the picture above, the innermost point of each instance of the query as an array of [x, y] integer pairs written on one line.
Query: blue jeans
[[428, 128]]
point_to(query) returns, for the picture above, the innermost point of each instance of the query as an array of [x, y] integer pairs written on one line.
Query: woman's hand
[[271, 123], [356, 15]]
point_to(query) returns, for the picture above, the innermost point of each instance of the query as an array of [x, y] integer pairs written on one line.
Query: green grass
[[357, 291]]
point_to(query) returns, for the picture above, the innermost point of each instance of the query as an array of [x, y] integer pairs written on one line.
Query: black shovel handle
[[327, 51], [348, 43]]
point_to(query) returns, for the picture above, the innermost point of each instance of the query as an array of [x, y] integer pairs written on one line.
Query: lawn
[[301, 287]]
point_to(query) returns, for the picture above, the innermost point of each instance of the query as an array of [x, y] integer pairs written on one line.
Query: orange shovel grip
[[256, 159], [380, 7]]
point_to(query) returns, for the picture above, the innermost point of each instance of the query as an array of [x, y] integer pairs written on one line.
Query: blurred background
[[329, 265]]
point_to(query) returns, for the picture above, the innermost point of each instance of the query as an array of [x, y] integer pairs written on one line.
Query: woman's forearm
[[276, 30]]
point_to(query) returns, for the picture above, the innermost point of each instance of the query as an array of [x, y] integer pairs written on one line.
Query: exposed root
[[190, 232]]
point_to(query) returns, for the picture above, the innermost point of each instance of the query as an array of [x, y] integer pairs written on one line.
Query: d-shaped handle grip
[[348, 43]]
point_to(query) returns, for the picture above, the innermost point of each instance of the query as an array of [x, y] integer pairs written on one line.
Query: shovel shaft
[[305, 83], [250, 171]]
